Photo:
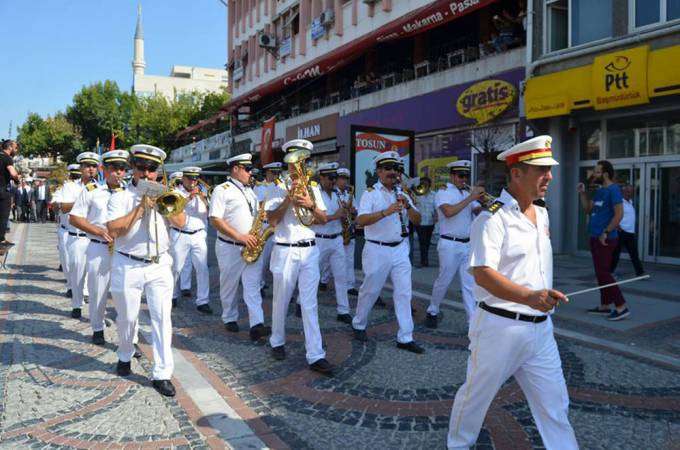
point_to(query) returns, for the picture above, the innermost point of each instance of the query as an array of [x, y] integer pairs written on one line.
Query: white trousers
[[453, 258], [378, 263], [98, 281], [266, 257], [129, 280], [185, 276], [501, 348], [350, 278], [291, 266], [232, 270], [77, 248], [332, 254], [195, 247], [62, 238]]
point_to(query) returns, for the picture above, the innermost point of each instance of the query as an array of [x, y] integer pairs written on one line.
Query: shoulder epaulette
[[118, 189], [494, 207], [91, 186], [225, 184], [369, 189], [313, 183]]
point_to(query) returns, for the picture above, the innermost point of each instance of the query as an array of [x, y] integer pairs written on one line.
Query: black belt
[[99, 242], [450, 238], [71, 233], [404, 235], [63, 227], [511, 315], [297, 244], [187, 232], [386, 244], [137, 258], [231, 242], [328, 236]]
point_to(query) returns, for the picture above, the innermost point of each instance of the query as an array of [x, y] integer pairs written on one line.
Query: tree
[[488, 142], [50, 137], [32, 136]]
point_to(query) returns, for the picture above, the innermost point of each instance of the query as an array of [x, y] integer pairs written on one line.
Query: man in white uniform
[[329, 238], [190, 242], [272, 177], [62, 230], [383, 212], [233, 208], [174, 180], [89, 215], [142, 265], [77, 240], [456, 208], [511, 333], [295, 261]]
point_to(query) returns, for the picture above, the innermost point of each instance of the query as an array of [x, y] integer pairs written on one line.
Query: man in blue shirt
[[606, 211]]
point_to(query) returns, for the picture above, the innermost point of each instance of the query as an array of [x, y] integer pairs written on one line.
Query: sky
[[49, 49]]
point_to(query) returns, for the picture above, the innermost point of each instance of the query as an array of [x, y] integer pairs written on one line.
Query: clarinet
[[400, 193]]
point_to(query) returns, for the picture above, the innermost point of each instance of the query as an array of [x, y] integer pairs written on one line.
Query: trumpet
[[486, 198], [206, 189]]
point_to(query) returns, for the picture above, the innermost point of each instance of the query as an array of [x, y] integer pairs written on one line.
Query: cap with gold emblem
[[297, 144], [462, 165], [149, 152], [328, 168], [88, 158], [387, 157], [175, 175], [273, 166], [343, 172], [73, 168], [244, 159], [113, 156], [535, 151], [191, 172]]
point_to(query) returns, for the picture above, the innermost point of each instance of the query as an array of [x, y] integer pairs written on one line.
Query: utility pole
[[9, 134]]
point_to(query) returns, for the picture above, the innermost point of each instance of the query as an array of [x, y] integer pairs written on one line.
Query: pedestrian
[[627, 235], [8, 149], [42, 199], [22, 198], [32, 209], [428, 216], [606, 211], [511, 333]]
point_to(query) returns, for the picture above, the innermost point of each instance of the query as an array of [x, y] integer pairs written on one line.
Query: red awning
[[201, 124], [415, 22]]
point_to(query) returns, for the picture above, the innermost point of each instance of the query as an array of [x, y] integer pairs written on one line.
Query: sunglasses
[[394, 167], [88, 166], [117, 166], [247, 167], [146, 167], [461, 174]]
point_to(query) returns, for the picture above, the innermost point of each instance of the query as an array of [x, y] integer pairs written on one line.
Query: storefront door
[[660, 225]]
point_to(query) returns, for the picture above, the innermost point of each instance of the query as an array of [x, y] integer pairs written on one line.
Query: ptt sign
[[620, 79]]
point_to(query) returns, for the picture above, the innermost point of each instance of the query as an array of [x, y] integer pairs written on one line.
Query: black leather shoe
[[279, 353], [259, 331], [69, 293], [164, 387], [380, 302], [86, 299], [298, 310], [76, 313], [60, 269], [345, 318], [231, 326], [174, 302], [323, 287], [360, 335], [352, 291], [322, 366], [205, 309], [123, 368], [98, 338], [430, 321], [138, 352], [186, 292], [411, 347]]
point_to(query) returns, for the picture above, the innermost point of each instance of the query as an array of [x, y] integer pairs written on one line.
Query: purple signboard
[[437, 110]]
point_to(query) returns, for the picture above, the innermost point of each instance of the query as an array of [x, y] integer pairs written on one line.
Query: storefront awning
[[201, 124], [423, 19], [614, 80]]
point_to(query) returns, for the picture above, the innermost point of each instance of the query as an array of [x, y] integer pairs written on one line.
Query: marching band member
[[386, 251], [141, 264], [329, 238], [174, 180], [89, 215], [295, 261], [233, 208], [272, 177], [511, 333], [190, 242], [347, 198], [77, 241], [456, 208], [63, 219]]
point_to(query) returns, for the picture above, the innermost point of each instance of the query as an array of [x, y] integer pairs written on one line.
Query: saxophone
[[347, 221], [250, 255]]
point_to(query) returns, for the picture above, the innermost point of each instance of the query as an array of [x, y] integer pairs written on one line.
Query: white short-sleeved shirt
[[345, 196], [234, 203], [426, 207], [387, 229], [56, 198], [289, 229], [262, 190], [140, 240], [332, 205], [459, 225], [69, 194], [509, 243], [628, 221], [92, 205], [196, 211]]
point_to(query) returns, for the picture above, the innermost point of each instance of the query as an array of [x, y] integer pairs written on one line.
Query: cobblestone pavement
[[60, 390]]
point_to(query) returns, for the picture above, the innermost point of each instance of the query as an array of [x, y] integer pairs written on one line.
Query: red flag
[[113, 141], [268, 131]]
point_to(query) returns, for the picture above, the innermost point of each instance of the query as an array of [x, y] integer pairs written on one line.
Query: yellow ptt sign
[[620, 78]]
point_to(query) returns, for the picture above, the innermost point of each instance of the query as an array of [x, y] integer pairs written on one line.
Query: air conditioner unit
[[327, 17], [266, 41]]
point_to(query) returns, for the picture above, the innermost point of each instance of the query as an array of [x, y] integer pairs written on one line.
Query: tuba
[[250, 255], [298, 173]]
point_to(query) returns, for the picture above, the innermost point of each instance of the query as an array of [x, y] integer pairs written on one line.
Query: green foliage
[[102, 108]]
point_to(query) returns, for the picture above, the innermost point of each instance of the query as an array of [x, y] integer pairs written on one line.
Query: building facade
[[182, 79], [603, 81]]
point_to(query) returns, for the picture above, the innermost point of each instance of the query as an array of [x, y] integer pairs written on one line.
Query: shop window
[[590, 140], [650, 12], [575, 22], [621, 143], [674, 138], [651, 141], [557, 24]]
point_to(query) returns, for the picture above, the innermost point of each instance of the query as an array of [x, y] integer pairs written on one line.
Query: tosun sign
[[486, 100]]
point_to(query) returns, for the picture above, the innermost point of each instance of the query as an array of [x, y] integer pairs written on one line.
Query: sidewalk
[[57, 390]]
